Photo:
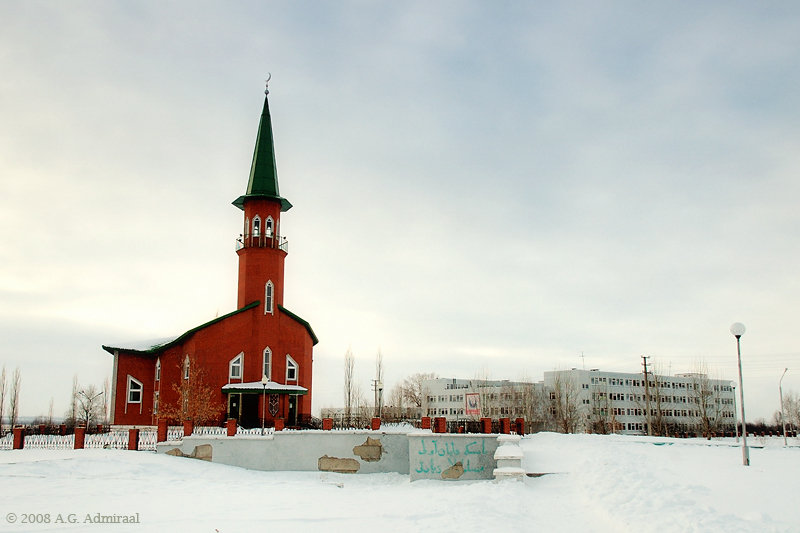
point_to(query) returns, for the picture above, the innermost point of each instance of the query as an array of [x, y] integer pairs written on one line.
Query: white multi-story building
[[627, 403], [447, 397], [598, 401]]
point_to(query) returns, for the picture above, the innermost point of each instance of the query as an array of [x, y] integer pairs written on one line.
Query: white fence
[[118, 439]]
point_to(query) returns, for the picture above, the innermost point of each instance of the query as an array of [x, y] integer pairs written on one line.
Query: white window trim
[[246, 226], [266, 366], [256, 226], [186, 369], [132, 379], [155, 402], [158, 370], [236, 361], [289, 362], [269, 298], [269, 227]]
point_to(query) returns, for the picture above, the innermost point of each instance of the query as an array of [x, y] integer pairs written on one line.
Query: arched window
[[269, 290], [246, 226], [268, 228], [291, 368], [158, 369], [256, 226], [267, 368], [186, 367], [235, 367]]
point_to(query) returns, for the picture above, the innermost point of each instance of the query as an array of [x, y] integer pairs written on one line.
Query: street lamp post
[[735, 422], [783, 421], [264, 382], [738, 330]]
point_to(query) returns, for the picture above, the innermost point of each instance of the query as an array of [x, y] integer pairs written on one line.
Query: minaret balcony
[[262, 241]]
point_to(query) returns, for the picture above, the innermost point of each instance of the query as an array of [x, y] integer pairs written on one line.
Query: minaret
[[261, 247]]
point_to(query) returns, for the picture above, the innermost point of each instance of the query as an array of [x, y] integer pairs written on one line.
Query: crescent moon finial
[[269, 77]]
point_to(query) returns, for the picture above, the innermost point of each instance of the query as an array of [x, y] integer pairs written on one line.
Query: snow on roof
[[271, 387], [143, 346]]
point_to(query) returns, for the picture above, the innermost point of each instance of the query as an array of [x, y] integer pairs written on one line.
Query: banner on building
[[473, 400]]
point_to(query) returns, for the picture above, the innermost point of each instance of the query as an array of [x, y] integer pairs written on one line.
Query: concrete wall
[[451, 455], [423, 455], [334, 451]]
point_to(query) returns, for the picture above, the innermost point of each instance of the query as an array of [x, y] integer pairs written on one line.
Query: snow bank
[[600, 483]]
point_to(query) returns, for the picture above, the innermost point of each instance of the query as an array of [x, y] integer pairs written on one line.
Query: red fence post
[[188, 427], [327, 424], [133, 439], [19, 438], [505, 426], [486, 425], [80, 437], [376, 424], [440, 424], [62, 429], [520, 426], [161, 432], [232, 426], [99, 428], [425, 422]]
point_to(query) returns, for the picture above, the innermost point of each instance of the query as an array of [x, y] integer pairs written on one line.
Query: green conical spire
[[263, 181]]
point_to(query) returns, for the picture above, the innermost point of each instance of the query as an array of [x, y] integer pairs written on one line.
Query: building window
[[235, 367], [155, 403], [267, 363], [268, 227], [291, 369], [256, 226], [246, 226], [186, 368], [269, 290], [134, 390], [158, 369]]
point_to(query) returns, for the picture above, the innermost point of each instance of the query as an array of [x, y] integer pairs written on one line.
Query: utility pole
[[647, 396]]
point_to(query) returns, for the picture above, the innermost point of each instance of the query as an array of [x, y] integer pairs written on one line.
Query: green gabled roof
[[263, 182], [301, 321], [158, 347]]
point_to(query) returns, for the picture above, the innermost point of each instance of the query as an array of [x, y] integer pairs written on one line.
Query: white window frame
[[158, 370], [269, 227], [266, 367], [246, 226], [155, 402], [128, 400], [289, 364], [256, 226], [269, 298], [186, 370], [236, 362]]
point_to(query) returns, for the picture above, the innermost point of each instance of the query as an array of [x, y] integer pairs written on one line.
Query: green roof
[[301, 321], [157, 348], [263, 182]]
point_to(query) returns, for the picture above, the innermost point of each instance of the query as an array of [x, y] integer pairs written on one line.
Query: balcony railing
[[262, 241]]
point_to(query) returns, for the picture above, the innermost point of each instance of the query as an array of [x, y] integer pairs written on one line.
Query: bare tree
[[378, 385], [791, 408], [50, 413], [413, 392], [601, 418], [2, 397], [13, 399], [196, 400], [106, 401], [349, 385], [90, 405], [705, 397], [565, 407]]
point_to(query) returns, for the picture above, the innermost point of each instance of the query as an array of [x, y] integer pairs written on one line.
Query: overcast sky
[[500, 185]]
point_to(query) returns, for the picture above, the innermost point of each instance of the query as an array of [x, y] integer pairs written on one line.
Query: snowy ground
[[598, 483]]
